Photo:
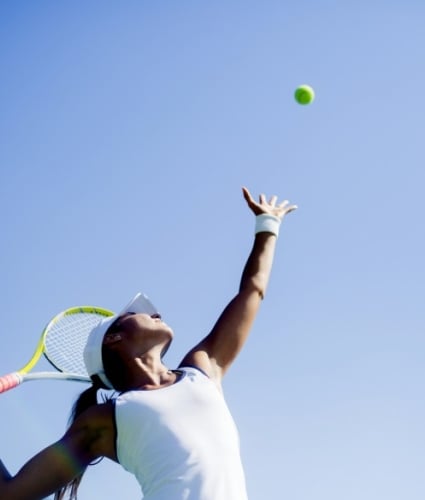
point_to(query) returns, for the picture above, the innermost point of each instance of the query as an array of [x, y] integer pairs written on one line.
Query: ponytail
[[85, 400]]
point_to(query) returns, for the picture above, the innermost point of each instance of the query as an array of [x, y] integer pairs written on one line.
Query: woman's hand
[[268, 207]]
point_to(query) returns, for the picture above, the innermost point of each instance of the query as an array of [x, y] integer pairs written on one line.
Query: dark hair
[[115, 368]]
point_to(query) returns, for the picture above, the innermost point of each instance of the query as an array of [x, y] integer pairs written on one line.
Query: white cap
[[93, 349]]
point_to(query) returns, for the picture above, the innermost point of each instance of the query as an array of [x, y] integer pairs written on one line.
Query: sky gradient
[[126, 133]]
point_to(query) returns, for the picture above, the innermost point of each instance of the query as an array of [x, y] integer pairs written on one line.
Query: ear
[[112, 338]]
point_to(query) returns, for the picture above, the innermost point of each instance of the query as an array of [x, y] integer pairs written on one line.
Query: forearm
[[41, 476], [258, 267]]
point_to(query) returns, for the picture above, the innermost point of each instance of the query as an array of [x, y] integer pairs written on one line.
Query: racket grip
[[10, 381]]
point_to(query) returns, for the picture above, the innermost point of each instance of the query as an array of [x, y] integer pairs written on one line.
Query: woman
[[170, 428]]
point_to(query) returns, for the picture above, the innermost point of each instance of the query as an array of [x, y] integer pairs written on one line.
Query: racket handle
[[10, 381]]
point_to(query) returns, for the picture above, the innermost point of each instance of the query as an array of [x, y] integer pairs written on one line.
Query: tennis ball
[[304, 94]]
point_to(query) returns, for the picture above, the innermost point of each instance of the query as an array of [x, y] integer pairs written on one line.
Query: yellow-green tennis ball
[[304, 94]]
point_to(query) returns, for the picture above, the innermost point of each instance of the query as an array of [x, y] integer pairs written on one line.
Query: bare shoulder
[[198, 358], [95, 416], [94, 430]]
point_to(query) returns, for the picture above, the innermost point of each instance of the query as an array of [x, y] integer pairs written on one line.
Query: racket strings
[[65, 339]]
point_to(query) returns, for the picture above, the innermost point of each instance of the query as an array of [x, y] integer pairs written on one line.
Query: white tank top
[[180, 441]]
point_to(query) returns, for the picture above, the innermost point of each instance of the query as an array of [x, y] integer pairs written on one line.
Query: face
[[139, 329]]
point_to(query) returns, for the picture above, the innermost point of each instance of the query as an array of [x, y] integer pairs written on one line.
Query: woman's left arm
[[216, 352]]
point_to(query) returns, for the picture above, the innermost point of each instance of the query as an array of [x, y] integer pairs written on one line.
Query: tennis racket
[[62, 343]]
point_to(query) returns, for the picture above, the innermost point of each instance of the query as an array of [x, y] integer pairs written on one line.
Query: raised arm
[[216, 352]]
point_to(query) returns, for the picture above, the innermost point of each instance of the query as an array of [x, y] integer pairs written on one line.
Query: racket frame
[[16, 378]]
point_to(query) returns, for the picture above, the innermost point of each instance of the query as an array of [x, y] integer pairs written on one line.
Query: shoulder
[[93, 432], [95, 415], [92, 423], [199, 359], [200, 375]]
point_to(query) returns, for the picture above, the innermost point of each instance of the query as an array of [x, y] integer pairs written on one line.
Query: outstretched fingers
[[286, 207], [247, 195], [268, 206], [273, 200]]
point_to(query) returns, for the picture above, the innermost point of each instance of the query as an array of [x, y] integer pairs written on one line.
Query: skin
[[140, 340]]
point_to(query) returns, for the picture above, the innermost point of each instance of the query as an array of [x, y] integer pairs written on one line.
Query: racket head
[[65, 337]]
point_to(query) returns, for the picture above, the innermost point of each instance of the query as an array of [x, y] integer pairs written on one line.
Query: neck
[[150, 381], [148, 373]]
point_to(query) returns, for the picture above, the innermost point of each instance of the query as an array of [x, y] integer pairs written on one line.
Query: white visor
[[93, 349]]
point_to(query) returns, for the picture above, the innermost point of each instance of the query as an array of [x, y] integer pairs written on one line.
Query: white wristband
[[267, 223]]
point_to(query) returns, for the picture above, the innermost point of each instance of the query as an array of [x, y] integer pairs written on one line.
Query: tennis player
[[170, 428]]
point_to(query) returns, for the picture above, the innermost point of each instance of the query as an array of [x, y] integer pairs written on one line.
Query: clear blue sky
[[126, 132]]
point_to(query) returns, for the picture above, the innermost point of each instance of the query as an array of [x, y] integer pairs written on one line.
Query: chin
[[169, 330]]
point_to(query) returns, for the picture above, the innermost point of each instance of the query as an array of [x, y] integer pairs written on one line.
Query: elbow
[[255, 287]]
